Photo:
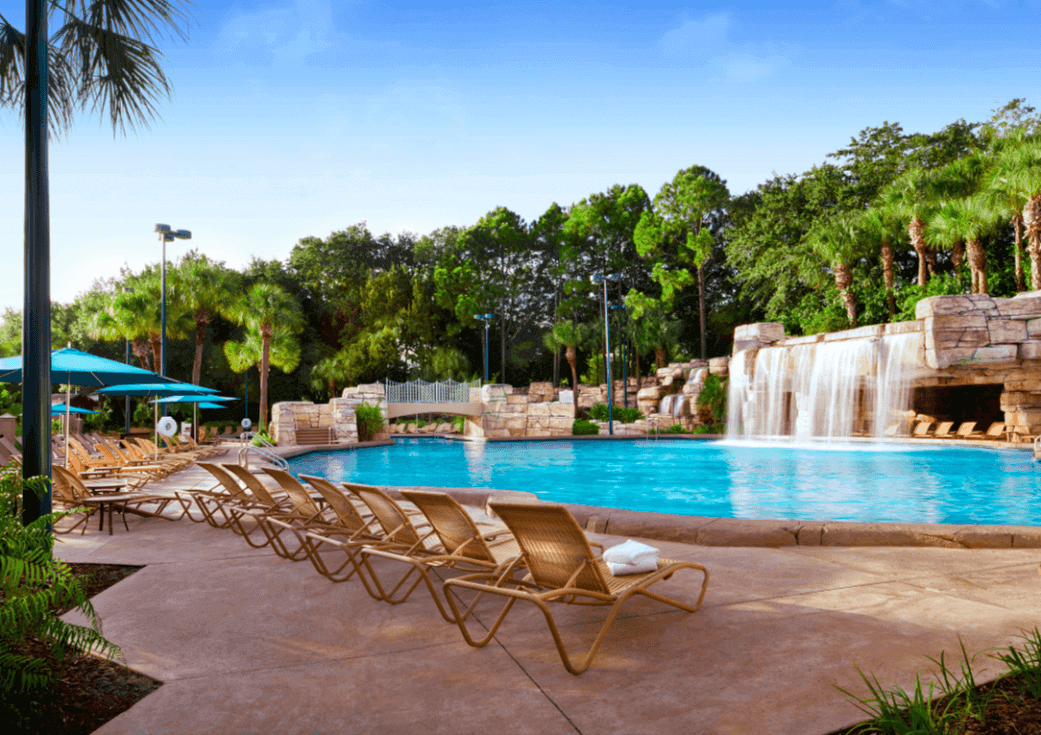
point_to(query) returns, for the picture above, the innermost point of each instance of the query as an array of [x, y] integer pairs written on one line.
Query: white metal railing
[[420, 391], [264, 451]]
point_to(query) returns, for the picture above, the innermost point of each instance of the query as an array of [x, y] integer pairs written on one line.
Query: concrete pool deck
[[247, 642]]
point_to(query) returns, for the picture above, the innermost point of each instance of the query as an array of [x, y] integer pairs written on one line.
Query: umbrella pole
[[68, 411], [155, 424], [195, 420]]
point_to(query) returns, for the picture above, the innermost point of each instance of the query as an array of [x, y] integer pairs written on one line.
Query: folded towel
[[618, 570], [632, 557]]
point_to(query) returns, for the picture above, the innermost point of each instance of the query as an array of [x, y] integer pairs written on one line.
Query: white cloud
[[698, 40], [277, 35], [707, 42]]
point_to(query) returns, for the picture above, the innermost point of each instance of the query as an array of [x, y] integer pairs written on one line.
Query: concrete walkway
[[247, 642]]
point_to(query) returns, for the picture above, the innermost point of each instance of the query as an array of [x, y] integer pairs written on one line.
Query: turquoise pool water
[[902, 483]]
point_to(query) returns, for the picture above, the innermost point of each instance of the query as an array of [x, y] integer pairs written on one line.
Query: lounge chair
[[966, 430], [82, 489], [996, 432], [943, 431], [302, 514], [922, 429], [562, 569], [463, 546]]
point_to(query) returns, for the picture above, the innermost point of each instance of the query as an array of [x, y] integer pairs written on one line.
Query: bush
[[370, 421], [713, 396], [32, 587], [581, 427], [674, 429], [458, 424], [711, 429], [598, 412]]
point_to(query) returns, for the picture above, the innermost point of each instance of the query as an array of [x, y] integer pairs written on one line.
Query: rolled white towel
[[632, 557]]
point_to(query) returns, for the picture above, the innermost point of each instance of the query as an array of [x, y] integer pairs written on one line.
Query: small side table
[[111, 500]]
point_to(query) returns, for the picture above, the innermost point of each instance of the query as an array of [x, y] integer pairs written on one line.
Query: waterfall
[[820, 390]]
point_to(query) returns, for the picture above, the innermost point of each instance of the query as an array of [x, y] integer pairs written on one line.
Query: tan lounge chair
[[966, 429], [564, 570], [463, 546], [922, 429], [996, 432], [943, 431]]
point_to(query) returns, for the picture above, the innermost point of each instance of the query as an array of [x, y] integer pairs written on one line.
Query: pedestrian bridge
[[394, 410], [446, 397]]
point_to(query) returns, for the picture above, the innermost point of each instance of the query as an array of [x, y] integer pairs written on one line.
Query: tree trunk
[[639, 377], [843, 281], [502, 348], [916, 231], [701, 309], [978, 264], [930, 260], [266, 331], [659, 356], [1032, 222], [887, 272], [156, 340], [140, 348], [1017, 222], [957, 254], [200, 341], [572, 359]]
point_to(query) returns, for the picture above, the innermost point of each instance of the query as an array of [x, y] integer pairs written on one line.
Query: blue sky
[[301, 117]]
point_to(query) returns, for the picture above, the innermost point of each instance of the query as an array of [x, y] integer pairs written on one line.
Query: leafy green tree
[[569, 336], [271, 317], [881, 229], [205, 289], [676, 233], [912, 195]]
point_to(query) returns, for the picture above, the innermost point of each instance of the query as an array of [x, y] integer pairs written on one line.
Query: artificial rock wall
[[288, 416], [972, 340]]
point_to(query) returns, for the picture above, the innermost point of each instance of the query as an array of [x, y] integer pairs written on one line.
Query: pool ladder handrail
[[263, 451], [1037, 447], [657, 425]]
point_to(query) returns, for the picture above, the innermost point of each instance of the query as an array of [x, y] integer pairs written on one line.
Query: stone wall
[[288, 416], [509, 414]]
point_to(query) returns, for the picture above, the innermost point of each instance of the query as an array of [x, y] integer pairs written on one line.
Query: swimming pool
[[863, 482]]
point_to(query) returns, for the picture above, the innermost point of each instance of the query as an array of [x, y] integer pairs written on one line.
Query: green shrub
[[598, 412], [674, 429], [370, 421], [458, 423], [260, 438], [581, 427], [32, 586], [711, 429], [713, 395]]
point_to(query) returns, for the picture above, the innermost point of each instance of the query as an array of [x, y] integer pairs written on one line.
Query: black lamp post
[[607, 349], [167, 235], [128, 290], [486, 318]]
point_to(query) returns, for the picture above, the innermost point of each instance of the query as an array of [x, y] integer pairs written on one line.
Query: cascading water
[[831, 389]]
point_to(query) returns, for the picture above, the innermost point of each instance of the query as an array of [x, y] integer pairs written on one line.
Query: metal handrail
[[264, 451], [420, 391]]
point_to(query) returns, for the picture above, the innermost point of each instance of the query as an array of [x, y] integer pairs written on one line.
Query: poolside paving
[[247, 642]]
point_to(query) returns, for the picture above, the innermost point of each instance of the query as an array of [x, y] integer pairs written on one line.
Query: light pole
[[625, 360], [607, 349], [128, 290], [486, 318], [167, 235]]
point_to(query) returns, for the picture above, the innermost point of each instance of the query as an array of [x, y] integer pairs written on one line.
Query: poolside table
[[111, 500]]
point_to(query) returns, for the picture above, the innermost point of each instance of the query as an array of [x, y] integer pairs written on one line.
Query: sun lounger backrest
[[340, 503], [451, 523], [966, 428], [389, 514], [231, 487], [297, 493], [554, 547], [252, 482], [944, 429], [923, 428]]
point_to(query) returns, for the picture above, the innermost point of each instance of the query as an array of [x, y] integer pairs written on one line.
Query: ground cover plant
[[621, 414], [954, 704], [38, 650], [581, 427]]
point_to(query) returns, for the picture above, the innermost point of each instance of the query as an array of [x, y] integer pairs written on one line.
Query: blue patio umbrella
[[62, 408], [160, 390], [74, 367]]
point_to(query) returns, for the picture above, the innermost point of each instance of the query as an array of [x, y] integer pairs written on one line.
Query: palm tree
[[881, 229], [661, 333], [205, 290], [839, 241], [102, 54], [271, 317], [125, 317], [910, 195], [965, 220], [1017, 175], [569, 336]]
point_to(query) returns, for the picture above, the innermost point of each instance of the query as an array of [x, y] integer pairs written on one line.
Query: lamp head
[[162, 228], [183, 234]]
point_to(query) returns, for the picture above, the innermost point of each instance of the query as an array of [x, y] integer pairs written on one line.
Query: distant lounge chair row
[[542, 556], [967, 430]]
